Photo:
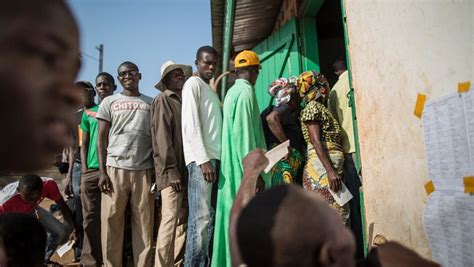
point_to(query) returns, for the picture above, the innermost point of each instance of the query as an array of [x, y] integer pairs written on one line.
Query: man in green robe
[[242, 132]]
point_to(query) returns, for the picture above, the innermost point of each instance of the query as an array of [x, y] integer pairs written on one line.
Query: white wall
[[397, 49]]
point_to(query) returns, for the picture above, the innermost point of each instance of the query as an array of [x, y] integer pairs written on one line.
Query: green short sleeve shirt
[[90, 126]]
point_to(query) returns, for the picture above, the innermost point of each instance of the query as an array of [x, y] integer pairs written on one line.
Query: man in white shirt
[[201, 126]]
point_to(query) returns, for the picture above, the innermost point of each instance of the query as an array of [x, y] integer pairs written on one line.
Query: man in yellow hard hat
[[242, 132]]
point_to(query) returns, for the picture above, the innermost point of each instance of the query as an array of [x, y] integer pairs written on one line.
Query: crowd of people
[[203, 158]]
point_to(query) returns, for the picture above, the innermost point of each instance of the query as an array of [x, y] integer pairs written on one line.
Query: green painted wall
[[309, 43], [280, 57]]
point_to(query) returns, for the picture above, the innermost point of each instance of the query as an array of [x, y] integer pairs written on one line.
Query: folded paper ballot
[[65, 248], [342, 196], [64, 255], [276, 154]]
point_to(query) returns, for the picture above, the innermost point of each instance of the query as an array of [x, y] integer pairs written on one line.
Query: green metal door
[[280, 57]]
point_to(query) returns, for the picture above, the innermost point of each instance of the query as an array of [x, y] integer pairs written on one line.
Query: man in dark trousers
[[90, 191], [74, 174], [340, 108]]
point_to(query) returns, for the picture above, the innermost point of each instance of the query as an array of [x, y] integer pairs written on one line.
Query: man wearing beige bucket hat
[[170, 168]]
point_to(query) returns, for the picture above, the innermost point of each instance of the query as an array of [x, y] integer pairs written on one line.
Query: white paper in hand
[[342, 196], [276, 154], [65, 248], [153, 188]]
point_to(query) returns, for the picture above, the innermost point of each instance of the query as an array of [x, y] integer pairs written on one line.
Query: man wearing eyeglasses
[[126, 169]]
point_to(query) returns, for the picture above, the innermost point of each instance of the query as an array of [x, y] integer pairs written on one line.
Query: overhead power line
[[89, 56]]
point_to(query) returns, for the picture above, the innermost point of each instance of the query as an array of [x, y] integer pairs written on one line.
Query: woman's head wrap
[[281, 89], [312, 85]]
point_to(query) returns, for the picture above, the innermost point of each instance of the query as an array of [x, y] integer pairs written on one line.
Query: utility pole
[[101, 56], [101, 62]]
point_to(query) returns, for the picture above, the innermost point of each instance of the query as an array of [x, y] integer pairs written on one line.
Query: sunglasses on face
[[130, 72]]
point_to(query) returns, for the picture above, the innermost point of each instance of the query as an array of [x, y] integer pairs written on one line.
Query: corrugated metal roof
[[217, 22], [253, 22]]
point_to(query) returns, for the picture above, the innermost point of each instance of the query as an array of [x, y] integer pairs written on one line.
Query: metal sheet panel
[[217, 22], [280, 57], [254, 21]]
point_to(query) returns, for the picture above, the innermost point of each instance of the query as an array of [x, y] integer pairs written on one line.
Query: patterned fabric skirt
[[315, 177], [285, 171]]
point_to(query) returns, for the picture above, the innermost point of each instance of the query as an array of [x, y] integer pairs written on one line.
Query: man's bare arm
[[84, 151], [274, 123], [334, 178], [67, 213], [70, 158], [105, 184], [254, 163]]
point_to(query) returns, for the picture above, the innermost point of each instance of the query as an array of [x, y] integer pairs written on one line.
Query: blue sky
[[145, 32]]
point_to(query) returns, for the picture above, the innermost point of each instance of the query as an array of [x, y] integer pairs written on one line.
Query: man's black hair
[[23, 238], [128, 63], [339, 65], [206, 49], [260, 215], [87, 85], [107, 76], [31, 182], [269, 229], [246, 69]]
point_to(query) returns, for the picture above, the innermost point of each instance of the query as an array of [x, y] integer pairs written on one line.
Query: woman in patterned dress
[[325, 158]]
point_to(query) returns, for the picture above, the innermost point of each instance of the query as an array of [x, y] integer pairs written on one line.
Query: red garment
[[14, 203]]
